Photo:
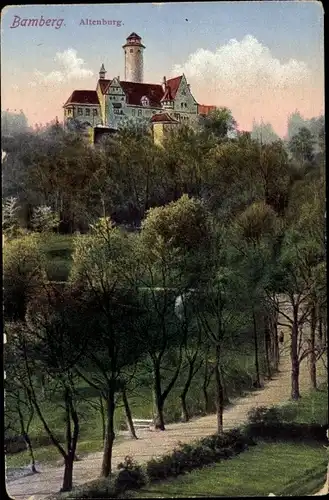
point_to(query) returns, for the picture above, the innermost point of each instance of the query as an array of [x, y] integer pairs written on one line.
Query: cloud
[[71, 67], [245, 66]]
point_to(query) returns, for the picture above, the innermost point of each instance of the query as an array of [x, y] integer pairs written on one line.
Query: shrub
[[100, 488], [264, 415], [287, 432], [190, 456], [130, 476]]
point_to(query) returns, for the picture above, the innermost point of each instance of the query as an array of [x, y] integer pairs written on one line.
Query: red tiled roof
[[167, 95], [135, 91], [163, 118], [173, 84], [83, 97], [203, 109], [104, 84]]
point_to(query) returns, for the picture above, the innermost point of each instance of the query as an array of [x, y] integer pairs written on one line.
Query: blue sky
[[289, 30]]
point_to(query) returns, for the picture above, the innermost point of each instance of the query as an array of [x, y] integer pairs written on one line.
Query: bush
[[264, 415], [287, 432], [130, 476], [100, 488], [190, 456]]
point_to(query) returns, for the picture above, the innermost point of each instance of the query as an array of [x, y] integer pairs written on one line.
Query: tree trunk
[[312, 347], [25, 434], [320, 329], [276, 344], [103, 417], [68, 473], [128, 414], [30, 448], [267, 347], [257, 381], [219, 393], [206, 381], [157, 398], [110, 435], [185, 415], [294, 357], [71, 439]]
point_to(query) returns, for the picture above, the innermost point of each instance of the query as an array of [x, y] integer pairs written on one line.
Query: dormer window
[[145, 101]]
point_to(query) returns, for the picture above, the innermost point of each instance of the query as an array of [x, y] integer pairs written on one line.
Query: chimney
[[164, 84]]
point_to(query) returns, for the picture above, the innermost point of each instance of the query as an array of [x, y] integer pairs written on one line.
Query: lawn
[[279, 468]]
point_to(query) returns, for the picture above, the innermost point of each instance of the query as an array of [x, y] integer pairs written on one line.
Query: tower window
[[131, 51], [182, 105]]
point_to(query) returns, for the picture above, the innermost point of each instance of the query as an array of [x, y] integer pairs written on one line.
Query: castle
[[114, 100]]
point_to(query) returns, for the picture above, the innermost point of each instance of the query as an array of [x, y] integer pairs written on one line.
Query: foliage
[[130, 475], [43, 219], [219, 122], [23, 274], [190, 456], [10, 217]]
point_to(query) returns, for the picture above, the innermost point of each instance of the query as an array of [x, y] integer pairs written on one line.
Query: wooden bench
[[142, 423]]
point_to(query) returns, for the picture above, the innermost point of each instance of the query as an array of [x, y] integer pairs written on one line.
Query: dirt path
[[156, 443]]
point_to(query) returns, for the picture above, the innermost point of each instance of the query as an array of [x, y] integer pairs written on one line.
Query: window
[[145, 101], [139, 112], [131, 51], [133, 111], [183, 92], [95, 112], [80, 111], [181, 104], [122, 98], [87, 112], [185, 105], [69, 111]]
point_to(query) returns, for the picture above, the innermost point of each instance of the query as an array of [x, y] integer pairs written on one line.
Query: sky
[[263, 60]]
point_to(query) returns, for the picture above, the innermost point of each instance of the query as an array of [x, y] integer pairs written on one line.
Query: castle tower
[[102, 73], [134, 58]]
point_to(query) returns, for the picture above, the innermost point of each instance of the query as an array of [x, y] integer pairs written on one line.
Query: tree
[[264, 133], [219, 122], [256, 230], [23, 274], [44, 220], [19, 410], [293, 275], [51, 340], [301, 146], [10, 217], [100, 263]]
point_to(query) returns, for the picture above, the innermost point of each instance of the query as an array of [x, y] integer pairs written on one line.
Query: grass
[[311, 408], [279, 468]]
